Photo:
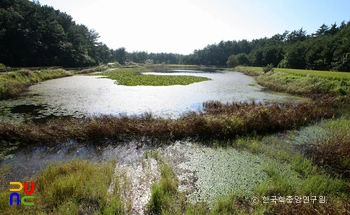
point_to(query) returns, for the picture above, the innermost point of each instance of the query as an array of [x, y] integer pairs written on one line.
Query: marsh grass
[[59, 192], [317, 165], [224, 121], [301, 82], [304, 85], [163, 192], [217, 122], [228, 205], [251, 71], [93, 69], [297, 178], [300, 72], [134, 77], [291, 183], [12, 84], [283, 184], [163, 66], [317, 73], [304, 175], [75, 187], [166, 199], [332, 153]]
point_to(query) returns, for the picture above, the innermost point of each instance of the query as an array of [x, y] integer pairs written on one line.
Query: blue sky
[[181, 26]]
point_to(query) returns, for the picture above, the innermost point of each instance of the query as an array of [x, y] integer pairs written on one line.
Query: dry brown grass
[[217, 121], [333, 153]]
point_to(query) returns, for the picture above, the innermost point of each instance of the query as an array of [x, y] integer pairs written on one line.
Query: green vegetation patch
[[317, 73], [301, 82], [75, 187], [298, 84], [332, 153], [300, 72], [12, 84], [96, 69], [134, 77], [227, 179], [220, 171], [163, 193], [276, 168]]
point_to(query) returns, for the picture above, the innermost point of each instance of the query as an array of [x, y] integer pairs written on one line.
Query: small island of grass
[[134, 77]]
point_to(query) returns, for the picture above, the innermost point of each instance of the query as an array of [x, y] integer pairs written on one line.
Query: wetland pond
[[197, 167], [80, 96]]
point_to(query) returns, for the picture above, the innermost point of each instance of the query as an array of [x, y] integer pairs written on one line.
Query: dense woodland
[[35, 35], [326, 49], [38, 35]]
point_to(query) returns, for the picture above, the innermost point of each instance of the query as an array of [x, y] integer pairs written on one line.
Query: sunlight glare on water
[[91, 95], [96, 95]]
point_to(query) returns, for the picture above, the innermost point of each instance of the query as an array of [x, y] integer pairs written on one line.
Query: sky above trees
[[181, 26]]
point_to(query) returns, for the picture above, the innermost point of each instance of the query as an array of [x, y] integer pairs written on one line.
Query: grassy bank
[[75, 187], [134, 77], [88, 70], [12, 84], [301, 82]]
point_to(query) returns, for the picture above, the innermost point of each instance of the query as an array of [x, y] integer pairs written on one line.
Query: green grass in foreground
[[301, 82], [80, 187], [74, 187], [133, 77]]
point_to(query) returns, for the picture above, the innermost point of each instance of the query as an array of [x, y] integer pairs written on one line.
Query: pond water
[[28, 161], [80, 96]]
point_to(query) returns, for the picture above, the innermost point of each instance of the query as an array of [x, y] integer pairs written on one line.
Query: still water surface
[[90, 95]]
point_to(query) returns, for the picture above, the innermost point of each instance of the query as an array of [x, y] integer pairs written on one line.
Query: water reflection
[[192, 71], [90, 95], [29, 161]]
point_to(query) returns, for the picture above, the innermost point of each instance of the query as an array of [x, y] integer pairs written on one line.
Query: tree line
[[122, 56], [38, 35], [326, 49]]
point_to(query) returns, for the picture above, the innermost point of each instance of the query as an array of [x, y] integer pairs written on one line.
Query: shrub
[[243, 59], [268, 68], [232, 61]]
